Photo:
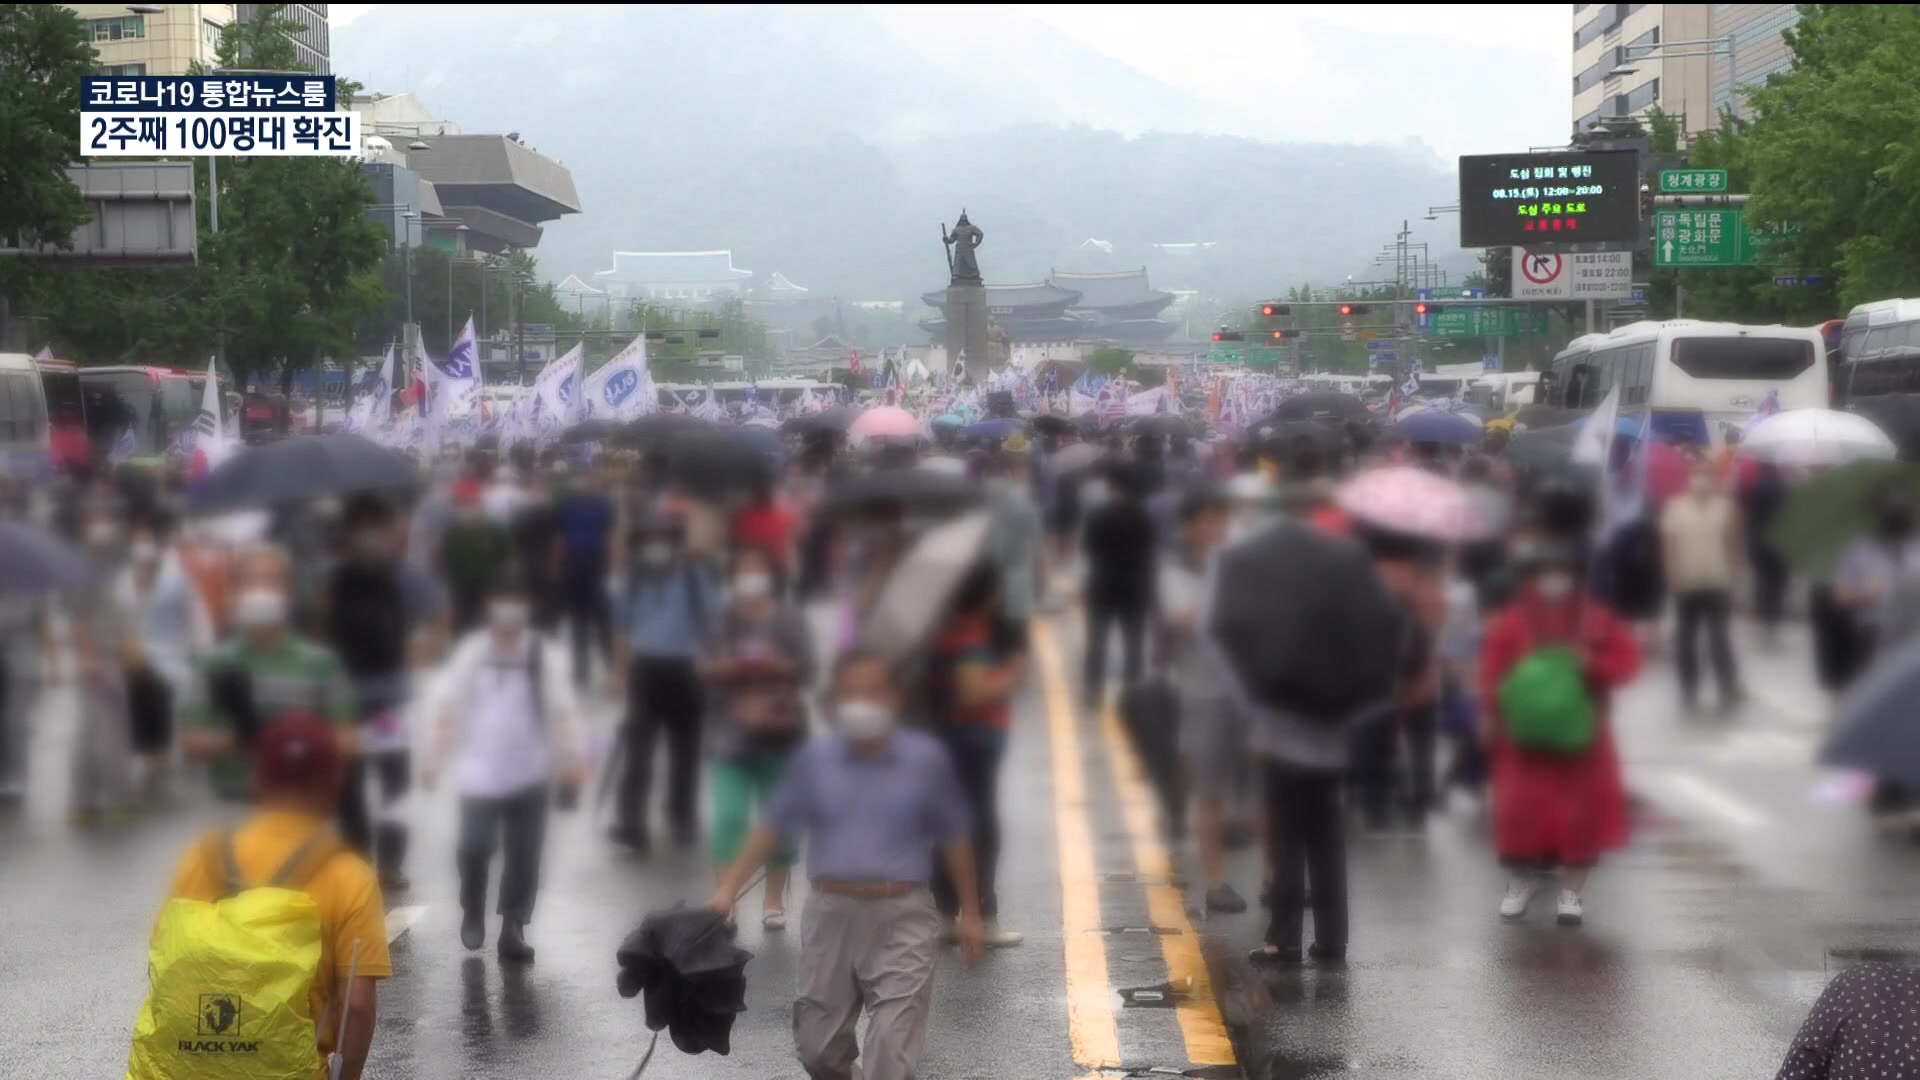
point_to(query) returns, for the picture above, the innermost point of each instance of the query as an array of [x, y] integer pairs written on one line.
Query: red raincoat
[[1556, 808]]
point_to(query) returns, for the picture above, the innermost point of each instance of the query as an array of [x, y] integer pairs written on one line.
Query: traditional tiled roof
[[1125, 288], [1039, 294], [673, 267]]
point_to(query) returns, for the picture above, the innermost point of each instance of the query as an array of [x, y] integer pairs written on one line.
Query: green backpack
[[1545, 702]]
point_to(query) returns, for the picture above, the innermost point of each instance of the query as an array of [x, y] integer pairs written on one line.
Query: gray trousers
[[521, 819], [876, 954]]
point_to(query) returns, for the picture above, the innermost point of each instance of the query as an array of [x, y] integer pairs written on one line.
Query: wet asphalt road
[[1744, 890]]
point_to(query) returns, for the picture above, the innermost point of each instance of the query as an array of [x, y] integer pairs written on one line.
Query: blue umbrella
[[33, 560], [1444, 428], [947, 420], [996, 428]]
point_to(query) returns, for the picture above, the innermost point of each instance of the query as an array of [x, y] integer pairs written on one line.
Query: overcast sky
[[1461, 78]]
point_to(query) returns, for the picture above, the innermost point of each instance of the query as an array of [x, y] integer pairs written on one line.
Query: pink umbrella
[[1414, 501], [885, 422]]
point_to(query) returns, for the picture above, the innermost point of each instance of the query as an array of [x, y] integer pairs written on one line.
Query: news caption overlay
[[215, 116]]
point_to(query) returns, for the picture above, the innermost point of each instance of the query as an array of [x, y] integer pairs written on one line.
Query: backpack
[[1545, 702], [231, 981]]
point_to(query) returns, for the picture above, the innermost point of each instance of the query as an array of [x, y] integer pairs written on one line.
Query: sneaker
[[1274, 955], [1571, 911], [473, 931], [1327, 955], [999, 937], [1520, 892], [630, 837], [1225, 901]]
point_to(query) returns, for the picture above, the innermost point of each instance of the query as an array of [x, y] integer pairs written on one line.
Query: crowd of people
[[323, 659]]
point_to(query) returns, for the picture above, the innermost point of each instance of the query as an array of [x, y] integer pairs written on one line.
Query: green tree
[[44, 51], [1832, 152], [1110, 360], [1663, 131]]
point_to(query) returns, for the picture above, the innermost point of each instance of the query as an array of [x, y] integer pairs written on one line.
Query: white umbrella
[[1818, 437], [920, 586]]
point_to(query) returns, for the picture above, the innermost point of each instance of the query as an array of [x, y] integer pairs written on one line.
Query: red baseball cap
[[296, 753]]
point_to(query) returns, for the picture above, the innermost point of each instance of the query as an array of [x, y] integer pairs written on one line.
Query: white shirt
[[488, 723]]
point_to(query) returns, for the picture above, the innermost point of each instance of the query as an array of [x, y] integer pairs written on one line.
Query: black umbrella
[[1161, 424], [921, 490], [1304, 621], [717, 462], [299, 468], [1323, 404], [838, 418], [1278, 435], [690, 976], [589, 431], [659, 428], [34, 560], [1050, 424]]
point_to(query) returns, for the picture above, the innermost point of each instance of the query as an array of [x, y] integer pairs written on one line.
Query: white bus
[[1692, 379], [1880, 350], [26, 448]]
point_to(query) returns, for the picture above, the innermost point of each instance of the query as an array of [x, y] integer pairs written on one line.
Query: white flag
[[621, 388], [453, 384], [1594, 444], [209, 434], [555, 388], [372, 405]]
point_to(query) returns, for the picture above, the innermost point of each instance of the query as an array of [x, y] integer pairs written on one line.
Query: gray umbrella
[[921, 585], [33, 560], [1875, 730], [300, 468]]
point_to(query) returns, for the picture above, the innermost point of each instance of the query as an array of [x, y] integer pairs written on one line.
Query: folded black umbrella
[[690, 977], [717, 462], [925, 491], [34, 560], [1310, 631], [658, 430], [302, 467]]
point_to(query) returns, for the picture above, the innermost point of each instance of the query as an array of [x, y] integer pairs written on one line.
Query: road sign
[[1503, 321], [1347, 332], [1379, 346], [1380, 359], [1490, 361], [1796, 281], [1452, 292], [1636, 298], [1713, 237], [1224, 356], [1596, 275], [1672, 180], [1573, 196]]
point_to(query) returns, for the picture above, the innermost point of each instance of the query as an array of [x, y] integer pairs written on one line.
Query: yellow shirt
[[343, 888]]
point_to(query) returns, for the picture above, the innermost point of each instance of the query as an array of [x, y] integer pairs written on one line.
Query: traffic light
[[1283, 335], [1353, 309], [1424, 308], [1268, 311], [1229, 335]]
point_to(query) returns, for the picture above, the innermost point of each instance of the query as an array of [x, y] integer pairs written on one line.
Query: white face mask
[[863, 719], [102, 534], [1555, 584], [656, 553], [260, 609], [753, 586], [144, 552], [508, 614]]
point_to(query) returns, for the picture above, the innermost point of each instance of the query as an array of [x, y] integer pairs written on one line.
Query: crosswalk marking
[[1714, 800], [401, 919], [1092, 1031]]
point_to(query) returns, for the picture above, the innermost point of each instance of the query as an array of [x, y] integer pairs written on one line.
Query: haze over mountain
[[828, 144]]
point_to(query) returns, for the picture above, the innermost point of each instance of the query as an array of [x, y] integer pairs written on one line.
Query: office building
[[310, 42], [155, 39], [1627, 58]]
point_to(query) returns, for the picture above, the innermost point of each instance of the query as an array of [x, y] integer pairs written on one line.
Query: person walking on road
[[1702, 544], [874, 804], [1412, 569], [510, 724], [475, 550], [266, 672], [297, 769], [969, 678], [1119, 547], [166, 628], [585, 516], [1558, 804], [1213, 731], [759, 667], [669, 611]]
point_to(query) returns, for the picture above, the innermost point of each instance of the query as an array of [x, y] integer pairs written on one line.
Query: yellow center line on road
[[1091, 1029], [1198, 1012]]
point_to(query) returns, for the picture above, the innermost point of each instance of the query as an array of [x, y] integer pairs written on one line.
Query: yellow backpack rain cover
[[230, 981]]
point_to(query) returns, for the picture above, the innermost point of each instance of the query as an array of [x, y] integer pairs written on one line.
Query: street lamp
[[458, 229], [1434, 212], [418, 144], [1710, 47]]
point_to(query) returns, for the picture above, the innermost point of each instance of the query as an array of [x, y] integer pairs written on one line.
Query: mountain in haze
[[828, 143]]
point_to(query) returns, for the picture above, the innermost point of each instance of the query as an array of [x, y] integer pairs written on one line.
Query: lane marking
[[1786, 706], [1715, 801], [1092, 1032], [401, 919], [1199, 1014]]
